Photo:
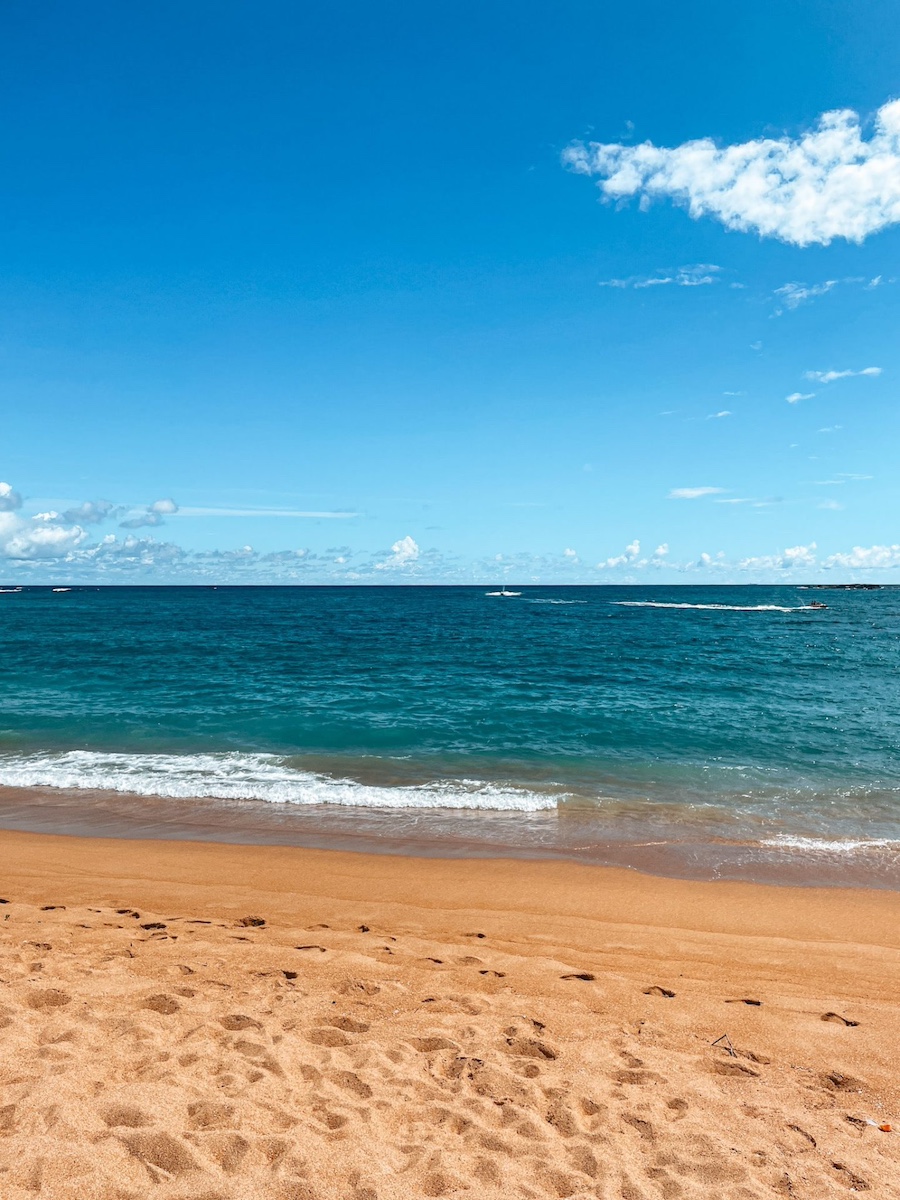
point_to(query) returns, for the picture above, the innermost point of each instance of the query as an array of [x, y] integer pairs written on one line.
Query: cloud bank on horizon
[[831, 182], [52, 547]]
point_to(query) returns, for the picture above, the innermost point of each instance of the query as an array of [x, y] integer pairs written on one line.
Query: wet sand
[[652, 841], [188, 1020]]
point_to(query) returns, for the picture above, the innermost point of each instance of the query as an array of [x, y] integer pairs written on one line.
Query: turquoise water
[[726, 715]]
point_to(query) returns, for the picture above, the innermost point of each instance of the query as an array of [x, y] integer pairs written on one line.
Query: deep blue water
[[748, 720]]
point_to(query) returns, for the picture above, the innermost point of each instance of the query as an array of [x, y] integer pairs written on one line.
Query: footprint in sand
[[585, 975], [235, 1021], [523, 1047], [126, 1115], [743, 1000], [161, 1003], [50, 998], [656, 990], [837, 1019], [321, 949]]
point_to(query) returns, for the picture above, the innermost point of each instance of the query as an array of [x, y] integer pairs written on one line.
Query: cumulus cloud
[[698, 275], [831, 182], [629, 558], [796, 397], [404, 552], [40, 537], [570, 554], [831, 376], [792, 557], [694, 493], [153, 514], [9, 500], [92, 512], [868, 558]]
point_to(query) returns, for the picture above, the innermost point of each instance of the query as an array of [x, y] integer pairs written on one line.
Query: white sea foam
[[716, 607], [238, 776], [787, 841], [547, 600]]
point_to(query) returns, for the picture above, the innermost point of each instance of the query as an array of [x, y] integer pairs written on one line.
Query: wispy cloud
[[265, 512], [830, 182], [694, 493], [699, 275], [832, 376], [717, 416], [796, 397], [753, 501], [792, 295]]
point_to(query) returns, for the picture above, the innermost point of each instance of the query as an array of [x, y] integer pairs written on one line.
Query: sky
[[458, 292]]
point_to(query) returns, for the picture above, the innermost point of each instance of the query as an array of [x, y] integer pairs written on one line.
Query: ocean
[[731, 732]]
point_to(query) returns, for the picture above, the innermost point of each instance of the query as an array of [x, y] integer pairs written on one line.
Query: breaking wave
[[237, 776]]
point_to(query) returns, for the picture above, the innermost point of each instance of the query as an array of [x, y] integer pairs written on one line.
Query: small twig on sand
[[728, 1046]]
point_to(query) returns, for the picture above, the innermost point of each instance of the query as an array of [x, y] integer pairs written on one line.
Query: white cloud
[[9, 500], [661, 551], [794, 294], [699, 275], [831, 376], [152, 515], [694, 493], [632, 550], [792, 557], [830, 182], [830, 505], [716, 416], [404, 552], [796, 397], [570, 554], [865, 558], [41, 537]]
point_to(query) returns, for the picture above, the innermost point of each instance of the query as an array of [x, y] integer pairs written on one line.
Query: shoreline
[[670, 849], [292, 1023]]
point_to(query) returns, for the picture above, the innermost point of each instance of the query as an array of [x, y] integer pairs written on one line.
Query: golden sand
[[209, 1022]]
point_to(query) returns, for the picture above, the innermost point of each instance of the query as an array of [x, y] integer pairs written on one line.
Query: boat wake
[[718, 607]]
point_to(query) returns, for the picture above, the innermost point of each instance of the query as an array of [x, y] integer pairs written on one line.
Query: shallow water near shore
[[713, 732]]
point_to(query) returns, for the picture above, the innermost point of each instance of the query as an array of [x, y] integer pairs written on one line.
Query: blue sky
[[392, 293]]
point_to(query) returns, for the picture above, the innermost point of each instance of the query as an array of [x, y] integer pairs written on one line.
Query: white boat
[[503, 592], [62, 589]]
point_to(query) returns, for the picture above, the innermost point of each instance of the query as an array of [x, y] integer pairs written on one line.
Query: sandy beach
[[207, 1022]]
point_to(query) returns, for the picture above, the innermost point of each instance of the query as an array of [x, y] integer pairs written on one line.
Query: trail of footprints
[[141, 1058]]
